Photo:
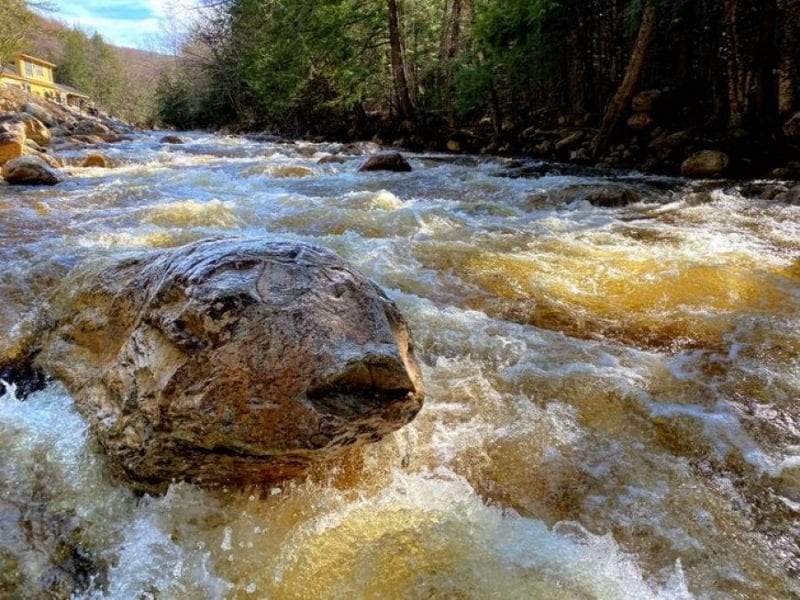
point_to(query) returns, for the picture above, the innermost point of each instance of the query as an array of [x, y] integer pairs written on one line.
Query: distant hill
[[141, 65]]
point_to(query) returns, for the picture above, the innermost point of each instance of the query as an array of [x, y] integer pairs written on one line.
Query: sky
[[133, 23]]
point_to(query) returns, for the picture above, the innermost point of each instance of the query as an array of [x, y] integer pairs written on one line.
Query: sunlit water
[[612, 405]]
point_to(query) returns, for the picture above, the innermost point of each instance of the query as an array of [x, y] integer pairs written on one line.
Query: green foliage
[[174, 102]]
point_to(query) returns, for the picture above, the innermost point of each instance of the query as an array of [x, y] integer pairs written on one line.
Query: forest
[[422, 71]]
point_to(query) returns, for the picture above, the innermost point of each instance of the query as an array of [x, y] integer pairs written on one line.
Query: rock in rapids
[[229, 360]]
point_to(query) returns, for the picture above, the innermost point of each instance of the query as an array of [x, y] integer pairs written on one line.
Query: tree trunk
[[788, 76], [751, 61], [455, 31], [398, 67], [622, 98]]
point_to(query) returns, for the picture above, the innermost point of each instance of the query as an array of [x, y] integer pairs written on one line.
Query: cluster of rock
[[654, 137], [32, 131], [650, 145]]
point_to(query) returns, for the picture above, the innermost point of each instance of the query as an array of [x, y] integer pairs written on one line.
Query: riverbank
[[655, 138]]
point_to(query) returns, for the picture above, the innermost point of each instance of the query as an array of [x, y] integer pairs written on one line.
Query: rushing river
[[613, 393]]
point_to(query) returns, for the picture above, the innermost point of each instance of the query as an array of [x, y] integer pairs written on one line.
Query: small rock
[[645, 102], [387, 161], [707, 163], [171, 139], [48, 158], [361, 148], [11, 146], [30, 170], [89, 127], [31, 145], [36, 130], [569, 141], [32, 127], [546, 148], [44, 115], [581, 155], [641, 121], [97, 160], [791, 129], [453, 146], [333, 159], [92, 140]]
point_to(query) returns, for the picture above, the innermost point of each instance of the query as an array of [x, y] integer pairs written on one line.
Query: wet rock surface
[[230, 360], [707, 163], [387, 161], [30, 170]]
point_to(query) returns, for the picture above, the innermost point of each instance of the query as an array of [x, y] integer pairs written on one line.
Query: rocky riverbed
[[610, 363]]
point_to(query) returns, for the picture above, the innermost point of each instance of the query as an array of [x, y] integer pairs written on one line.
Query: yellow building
[[35, 76]]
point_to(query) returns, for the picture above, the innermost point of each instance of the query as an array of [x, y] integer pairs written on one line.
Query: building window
[[28, 69], [38, 71]]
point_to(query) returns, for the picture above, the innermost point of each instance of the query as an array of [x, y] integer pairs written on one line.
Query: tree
[[750, 27], [404, 104], [633, 73]]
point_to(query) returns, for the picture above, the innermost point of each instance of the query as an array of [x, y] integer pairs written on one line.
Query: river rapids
[[612, 406]]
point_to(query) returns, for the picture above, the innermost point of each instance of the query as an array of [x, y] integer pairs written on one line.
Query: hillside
[[139, 70], [47, 42]]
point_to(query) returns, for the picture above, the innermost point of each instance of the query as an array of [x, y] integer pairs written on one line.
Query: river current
[[612, 393]]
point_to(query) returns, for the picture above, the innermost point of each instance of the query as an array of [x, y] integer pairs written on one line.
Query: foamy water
[[612, 393]]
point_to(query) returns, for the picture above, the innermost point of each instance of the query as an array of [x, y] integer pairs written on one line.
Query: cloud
[[135, 23]]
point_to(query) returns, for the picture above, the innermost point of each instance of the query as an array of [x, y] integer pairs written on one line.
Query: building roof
[[36, 60]]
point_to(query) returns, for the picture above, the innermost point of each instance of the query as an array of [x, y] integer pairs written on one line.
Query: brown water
[[612, 402]]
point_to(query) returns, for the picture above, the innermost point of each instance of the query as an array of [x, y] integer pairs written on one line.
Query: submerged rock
[[607, 195], [95, 159], [171, 139], [387, 161], [333, 159], [229, 361], [30, 170]]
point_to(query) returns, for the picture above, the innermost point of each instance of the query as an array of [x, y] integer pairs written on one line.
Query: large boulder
[[229, 360], [30, 170], [707, 163], [386, 161]]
